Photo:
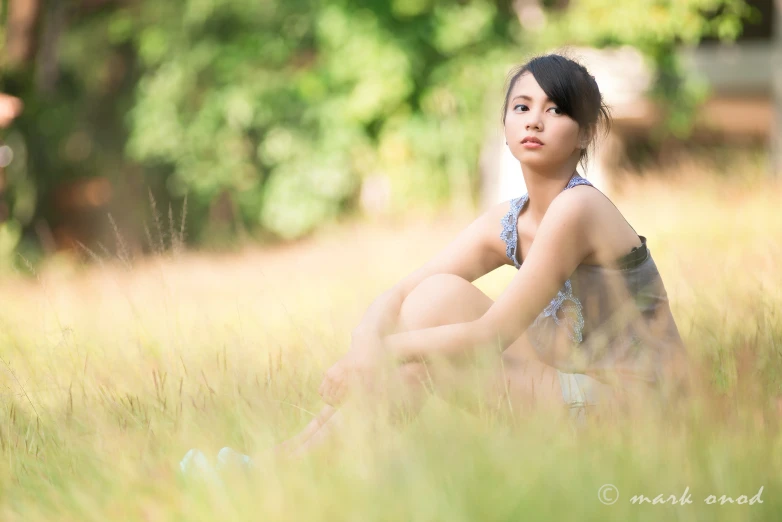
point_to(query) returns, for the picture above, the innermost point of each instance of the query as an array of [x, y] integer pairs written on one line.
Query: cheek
[[514, 126], [567, 135]]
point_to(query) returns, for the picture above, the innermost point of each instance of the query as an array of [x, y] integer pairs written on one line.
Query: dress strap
[[509, 232], [576, 181]]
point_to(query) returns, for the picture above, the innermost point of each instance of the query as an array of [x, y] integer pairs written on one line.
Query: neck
[[544, 185]]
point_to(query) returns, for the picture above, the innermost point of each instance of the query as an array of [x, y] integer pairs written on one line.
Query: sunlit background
[[200, 198]]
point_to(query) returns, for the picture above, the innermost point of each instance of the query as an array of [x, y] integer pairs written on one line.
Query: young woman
[[585, 320]]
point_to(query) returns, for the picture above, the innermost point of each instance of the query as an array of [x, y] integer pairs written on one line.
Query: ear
[[585, 137]]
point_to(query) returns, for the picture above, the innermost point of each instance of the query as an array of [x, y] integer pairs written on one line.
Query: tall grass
[[109, 375]]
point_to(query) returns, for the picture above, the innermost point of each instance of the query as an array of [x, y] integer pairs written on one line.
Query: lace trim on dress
[[572, 319], [509, 233]]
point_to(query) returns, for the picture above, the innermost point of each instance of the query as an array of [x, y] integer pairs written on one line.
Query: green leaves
[[286, 106], [279, 110], [657, 28], [645, 22], [460, 25]]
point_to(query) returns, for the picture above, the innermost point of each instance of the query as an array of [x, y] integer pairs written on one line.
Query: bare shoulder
[[575, 205], [599, 220], [584, 195], [585, 201]]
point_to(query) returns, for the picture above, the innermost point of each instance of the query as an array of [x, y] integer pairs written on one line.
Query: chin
[[537, 161], [534, 160]]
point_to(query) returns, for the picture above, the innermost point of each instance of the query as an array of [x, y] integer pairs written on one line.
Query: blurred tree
[[271, 114], [10, 108], [76, 88], [776, 131], [656, 28], [282, 107], [23, 18]]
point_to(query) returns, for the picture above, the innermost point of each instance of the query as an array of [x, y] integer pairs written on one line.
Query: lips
[[531, 139]]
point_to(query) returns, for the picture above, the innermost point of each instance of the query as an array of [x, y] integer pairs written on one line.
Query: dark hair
[[570, 86]]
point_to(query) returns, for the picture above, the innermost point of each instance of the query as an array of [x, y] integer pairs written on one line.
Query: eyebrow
[[525, 97]]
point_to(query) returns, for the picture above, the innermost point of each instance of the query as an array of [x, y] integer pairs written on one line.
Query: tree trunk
[[47, 61], [21, 25], [776, 93]]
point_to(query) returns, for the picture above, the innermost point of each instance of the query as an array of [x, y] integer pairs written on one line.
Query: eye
[[557, 109], [515, 107]]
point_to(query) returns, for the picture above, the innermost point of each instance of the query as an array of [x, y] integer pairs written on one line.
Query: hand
[[359, 367]]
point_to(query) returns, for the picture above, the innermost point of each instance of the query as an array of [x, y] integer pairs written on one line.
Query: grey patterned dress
[[611, 323]]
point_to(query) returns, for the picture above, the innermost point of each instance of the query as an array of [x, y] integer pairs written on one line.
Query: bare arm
[[560, 245], [470, 255], [474, 252]]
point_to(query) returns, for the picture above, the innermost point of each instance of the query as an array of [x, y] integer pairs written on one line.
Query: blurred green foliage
[[656, 28], [270, 114], [286, 105]]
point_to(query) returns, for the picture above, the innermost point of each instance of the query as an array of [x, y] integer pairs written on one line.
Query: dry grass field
[[109, 375]]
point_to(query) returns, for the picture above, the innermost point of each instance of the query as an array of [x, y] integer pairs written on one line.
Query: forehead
[[528, 86]]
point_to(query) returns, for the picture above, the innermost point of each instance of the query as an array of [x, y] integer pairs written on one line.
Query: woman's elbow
[[495, 335]]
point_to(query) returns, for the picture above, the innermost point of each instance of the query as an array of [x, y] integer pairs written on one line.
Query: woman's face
[[532, 115]]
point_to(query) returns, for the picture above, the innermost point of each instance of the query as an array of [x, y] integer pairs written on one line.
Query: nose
[[533, 121]]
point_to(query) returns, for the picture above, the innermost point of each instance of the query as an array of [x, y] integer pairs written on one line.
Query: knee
[[438, 286], [442, 299]]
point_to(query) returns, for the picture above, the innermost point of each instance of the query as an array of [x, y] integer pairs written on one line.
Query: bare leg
[[438, 300], [320, 436], [410, 396], [310, 429], [431, 303], [517, 388]]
